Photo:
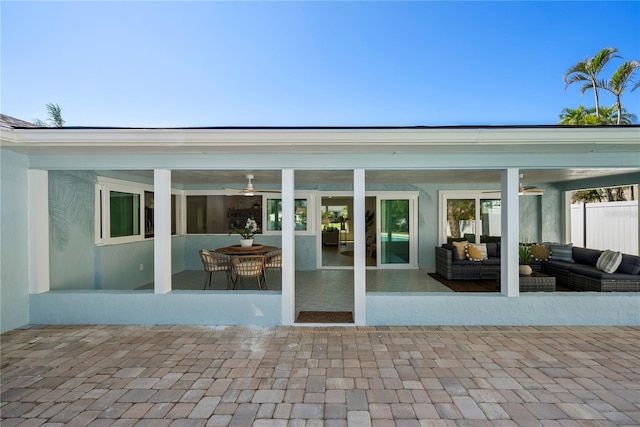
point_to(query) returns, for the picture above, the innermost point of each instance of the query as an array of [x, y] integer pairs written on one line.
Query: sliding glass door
[[398, 232]]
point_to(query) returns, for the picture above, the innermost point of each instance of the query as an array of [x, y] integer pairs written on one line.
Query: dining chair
[[272, 259], [248, 266], [212, 262]]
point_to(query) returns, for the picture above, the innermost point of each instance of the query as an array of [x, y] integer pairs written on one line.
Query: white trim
[[298, 195], [162, 231], [288, 249], [450, 140], [444, 195], [412, 196], [103, 213], [359, 249], [510, 230], [414, 235], [38, 223]]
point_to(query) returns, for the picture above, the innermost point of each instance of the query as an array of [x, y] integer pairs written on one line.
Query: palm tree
[[578, 116], [587, 196], [610, 116], [587, 71], [55, 117], [619, 81], [582, 116]]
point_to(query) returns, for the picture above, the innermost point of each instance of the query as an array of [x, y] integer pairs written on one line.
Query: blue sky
[[302, 63]]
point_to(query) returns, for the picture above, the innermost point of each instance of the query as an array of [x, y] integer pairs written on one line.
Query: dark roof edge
[[32, 126], [13, 123]]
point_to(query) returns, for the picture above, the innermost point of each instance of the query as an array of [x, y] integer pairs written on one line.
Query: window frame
[[103, 187], [445, 195], [309, 196]]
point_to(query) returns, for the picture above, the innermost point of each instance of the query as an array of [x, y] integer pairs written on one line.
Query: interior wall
[[14, 269]]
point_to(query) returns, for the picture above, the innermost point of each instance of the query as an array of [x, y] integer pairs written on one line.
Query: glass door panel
[[394, 231], [461, 216]]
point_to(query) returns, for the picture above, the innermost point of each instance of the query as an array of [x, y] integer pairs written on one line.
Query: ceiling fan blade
[[248, 190]]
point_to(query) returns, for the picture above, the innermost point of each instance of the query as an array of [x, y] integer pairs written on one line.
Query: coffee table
[[536, 282]]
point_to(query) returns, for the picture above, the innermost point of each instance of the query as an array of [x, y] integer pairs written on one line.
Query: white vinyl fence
[[611, 225]]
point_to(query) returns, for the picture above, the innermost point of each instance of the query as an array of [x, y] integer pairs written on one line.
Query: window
[[125, 211], [470, 216], [274, 214], [219, 214], [149, 207], [124, 214]]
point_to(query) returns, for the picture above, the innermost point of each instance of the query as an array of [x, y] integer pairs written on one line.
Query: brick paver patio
[[272, 377]]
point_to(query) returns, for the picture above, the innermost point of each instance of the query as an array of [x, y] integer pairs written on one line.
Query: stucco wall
[[14, 273], [76, 263], [532, 308]]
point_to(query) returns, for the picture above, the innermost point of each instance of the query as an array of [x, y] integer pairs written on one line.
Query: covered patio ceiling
[[309, 177]]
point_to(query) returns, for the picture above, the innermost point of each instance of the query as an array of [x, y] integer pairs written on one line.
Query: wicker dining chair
[[248, 266], [212, 262], [272, 260]]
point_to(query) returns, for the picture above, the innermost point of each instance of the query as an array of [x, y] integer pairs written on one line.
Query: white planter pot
[[525, 270], [246, 243]]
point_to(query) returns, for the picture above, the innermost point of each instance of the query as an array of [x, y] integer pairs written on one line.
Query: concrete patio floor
[[286, 376]]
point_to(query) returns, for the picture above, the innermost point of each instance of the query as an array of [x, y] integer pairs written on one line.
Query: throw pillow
[[562, 252], [540, 252], [482, 247], [630, 264], [609, 261], [473, 253], [460, 248]]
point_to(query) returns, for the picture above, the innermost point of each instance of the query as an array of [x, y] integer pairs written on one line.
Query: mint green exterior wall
[[117, 267], [14, 272]]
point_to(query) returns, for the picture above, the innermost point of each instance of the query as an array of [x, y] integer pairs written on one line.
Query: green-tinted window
[[274, 214], [125, 214]]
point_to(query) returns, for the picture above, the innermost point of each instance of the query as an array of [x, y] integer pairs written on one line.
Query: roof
[[12, 122]]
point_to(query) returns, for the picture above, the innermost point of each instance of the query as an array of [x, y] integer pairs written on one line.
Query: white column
[[359, 248], [38, 221], [510, 226], [288, 248], [162, 231]]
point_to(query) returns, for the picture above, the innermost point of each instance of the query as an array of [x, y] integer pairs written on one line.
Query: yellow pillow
[[460, 248], [474, 254], [540, 252]]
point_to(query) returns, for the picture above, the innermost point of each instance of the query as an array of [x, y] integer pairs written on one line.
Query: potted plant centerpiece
[[524, 254], [247, 233]]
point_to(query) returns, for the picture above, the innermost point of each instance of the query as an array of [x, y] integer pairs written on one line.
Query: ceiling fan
[[249, 190], [524, 190]]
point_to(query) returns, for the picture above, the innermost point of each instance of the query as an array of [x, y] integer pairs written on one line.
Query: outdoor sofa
[[576, 271]]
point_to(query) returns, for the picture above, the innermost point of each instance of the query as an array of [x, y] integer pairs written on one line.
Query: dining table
[[249, 250]]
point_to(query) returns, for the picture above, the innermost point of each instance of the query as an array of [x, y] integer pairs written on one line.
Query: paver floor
[[285, 376]]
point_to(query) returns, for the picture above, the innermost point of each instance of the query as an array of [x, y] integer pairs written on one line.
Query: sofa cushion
[[609, 261], [562, 252], [586, 256], [493, 250], [591, 271], [563, 265], [491, 261], [460, 248], [540, 252], [473, 253], [630, 264], [482, 247], [454, 251]]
